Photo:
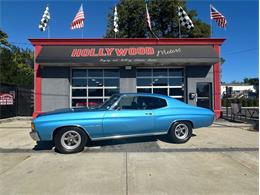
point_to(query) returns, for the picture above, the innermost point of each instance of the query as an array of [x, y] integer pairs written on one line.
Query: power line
[[241, 51]]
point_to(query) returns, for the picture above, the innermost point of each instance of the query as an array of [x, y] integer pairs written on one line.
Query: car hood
[[69, 110]]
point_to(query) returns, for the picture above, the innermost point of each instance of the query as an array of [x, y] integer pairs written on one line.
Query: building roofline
[[126, 41]]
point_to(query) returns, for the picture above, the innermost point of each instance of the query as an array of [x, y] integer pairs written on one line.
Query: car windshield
[[110, 102]]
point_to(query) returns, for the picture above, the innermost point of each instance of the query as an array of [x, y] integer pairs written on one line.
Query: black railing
[[15, 101]]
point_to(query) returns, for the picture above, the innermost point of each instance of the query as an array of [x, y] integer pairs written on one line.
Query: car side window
[[140, 103], [149, 103], [127, 102]]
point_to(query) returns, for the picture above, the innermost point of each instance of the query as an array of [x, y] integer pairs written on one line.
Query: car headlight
[[32, 126]]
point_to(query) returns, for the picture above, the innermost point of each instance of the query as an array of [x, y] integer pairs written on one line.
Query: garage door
[[166, 81]]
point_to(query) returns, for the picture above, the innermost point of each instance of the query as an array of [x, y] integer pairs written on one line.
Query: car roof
[[146, 94], [170, 101]]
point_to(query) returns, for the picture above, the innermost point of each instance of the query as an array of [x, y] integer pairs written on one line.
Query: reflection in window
[[93, 84], [79, 73], [79, 82], [79, 92], [166, 81]]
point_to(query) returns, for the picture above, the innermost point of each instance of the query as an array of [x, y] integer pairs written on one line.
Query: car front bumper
[[34, 135]]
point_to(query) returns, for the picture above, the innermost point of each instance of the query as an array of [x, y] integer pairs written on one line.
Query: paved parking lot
[[222, 159]]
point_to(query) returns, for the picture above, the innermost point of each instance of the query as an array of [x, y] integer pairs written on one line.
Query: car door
[[128, 117]]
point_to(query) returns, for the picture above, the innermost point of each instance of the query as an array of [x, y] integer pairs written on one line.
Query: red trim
[[217, 88], [215, 42], [127, 41], [37, 84]]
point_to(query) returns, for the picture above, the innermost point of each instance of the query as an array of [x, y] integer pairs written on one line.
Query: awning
[[127, 55]]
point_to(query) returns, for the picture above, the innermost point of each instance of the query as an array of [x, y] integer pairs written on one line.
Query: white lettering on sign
[[6, 99], [165, 52]]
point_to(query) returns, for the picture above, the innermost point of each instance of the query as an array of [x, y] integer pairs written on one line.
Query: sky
[[20, 20]]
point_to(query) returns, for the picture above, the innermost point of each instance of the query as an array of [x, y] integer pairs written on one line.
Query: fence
[[236, 112], [15, 101]]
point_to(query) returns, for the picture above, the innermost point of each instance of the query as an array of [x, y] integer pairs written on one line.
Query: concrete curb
[[22, 118]]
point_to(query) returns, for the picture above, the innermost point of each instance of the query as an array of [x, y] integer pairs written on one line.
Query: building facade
[[86, 72]]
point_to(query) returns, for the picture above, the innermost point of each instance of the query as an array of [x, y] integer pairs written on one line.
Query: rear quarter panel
[[167, 116]]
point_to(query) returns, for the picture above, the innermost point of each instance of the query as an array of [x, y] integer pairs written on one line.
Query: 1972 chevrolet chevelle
[[123, 115]]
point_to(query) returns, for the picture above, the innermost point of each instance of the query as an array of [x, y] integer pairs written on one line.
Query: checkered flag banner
[[184, 18], [115, 20], [45, 19]]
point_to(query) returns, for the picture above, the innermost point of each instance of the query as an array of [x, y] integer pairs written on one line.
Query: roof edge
[[125, 41]]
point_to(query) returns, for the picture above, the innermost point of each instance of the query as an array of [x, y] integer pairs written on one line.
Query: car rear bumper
[[34, 135]]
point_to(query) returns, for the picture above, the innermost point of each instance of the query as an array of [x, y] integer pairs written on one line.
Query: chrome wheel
[[70, 140], [181, 131]]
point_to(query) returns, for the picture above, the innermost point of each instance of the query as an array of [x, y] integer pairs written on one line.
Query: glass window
[[111, 73], [176, 72], [93, 103], [79, 102], [110, 102], [79, 92], [79, 73], [160, 72], [111, 82], [79, 82], [95, 73], [176, 92], [110, 92], [148, 103], [127, 102], [160, 82], [144, 82], [95, 82], [163, 91], [95, 92], [175, 81], [144, 72], [144, 90]]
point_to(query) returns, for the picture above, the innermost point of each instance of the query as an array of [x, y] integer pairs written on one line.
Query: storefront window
[[91, 87], [166, 81]]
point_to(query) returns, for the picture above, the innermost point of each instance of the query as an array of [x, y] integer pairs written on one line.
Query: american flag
[[148, 18], [218, 17], [78, 21]]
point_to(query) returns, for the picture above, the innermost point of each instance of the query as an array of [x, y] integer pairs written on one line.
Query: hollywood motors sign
[[111, 51]]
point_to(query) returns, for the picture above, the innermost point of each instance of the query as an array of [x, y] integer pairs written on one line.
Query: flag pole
[[48, 32], [82, 33], [211, 30], [179, 28]]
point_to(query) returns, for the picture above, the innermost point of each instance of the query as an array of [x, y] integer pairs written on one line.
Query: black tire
[[176, 135], [70, 140]]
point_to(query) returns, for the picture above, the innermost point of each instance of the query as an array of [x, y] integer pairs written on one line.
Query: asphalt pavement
[[221, 159]]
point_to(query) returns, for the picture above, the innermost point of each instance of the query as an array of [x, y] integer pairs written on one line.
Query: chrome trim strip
[[128, 136]]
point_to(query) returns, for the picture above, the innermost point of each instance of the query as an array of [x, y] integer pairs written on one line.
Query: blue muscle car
[[123, 115]]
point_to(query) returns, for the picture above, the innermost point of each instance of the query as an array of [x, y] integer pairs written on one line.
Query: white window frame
[[168, 87], [103, 97]]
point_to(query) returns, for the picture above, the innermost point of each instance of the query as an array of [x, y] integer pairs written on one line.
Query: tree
[[252, 81], [132, 20], [16, 64]]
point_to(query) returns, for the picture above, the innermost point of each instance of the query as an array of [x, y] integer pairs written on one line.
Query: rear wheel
[[70, 140], [180, 132]]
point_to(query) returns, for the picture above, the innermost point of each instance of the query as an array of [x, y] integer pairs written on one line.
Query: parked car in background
[[123, 115]]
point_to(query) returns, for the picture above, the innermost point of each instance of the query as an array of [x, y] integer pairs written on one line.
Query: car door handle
[[148, 113]]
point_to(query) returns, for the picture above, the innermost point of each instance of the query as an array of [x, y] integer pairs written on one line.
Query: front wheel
[[70, 140], [180, 132]]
